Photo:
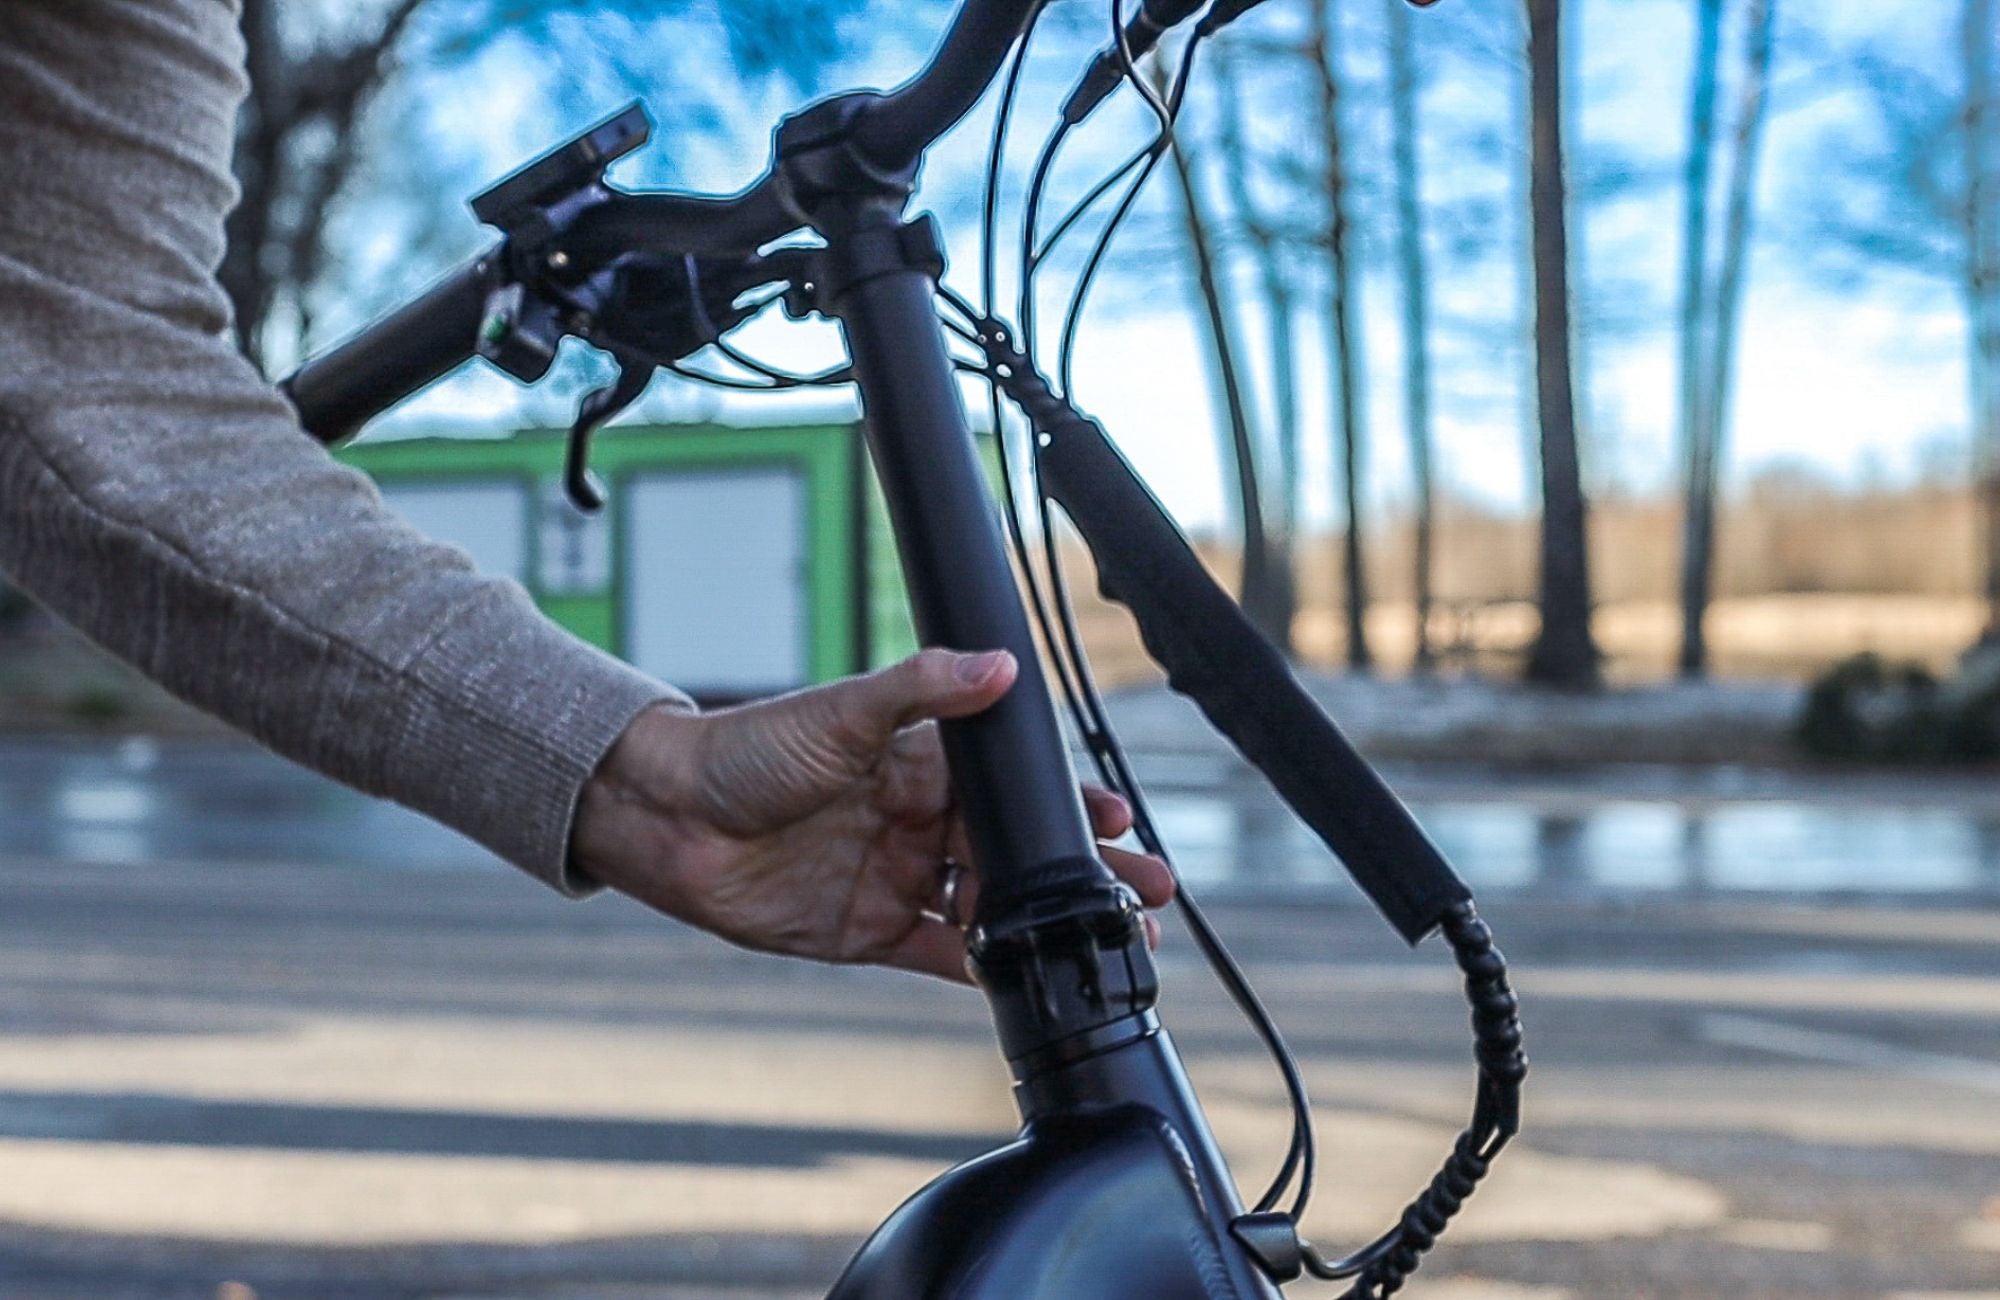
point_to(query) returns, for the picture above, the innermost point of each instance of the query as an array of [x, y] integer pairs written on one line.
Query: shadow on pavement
[[155, 1119]]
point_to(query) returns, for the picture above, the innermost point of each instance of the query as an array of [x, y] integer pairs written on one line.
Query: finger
[[958, 844], [1149, 877], [917, 784], [932, 948], [968, 894], [968, 899], [932, 683], [1110, 815]]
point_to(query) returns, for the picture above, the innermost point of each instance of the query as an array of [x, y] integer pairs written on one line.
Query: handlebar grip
[[340, 390]]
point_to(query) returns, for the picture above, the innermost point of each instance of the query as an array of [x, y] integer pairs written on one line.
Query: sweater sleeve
[[157, 493]]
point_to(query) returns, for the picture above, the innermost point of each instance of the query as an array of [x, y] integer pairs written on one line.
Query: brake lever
[[648, 312], [584, 489]]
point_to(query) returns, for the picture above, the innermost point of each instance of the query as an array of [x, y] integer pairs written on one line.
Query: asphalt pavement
[[350, 1072]]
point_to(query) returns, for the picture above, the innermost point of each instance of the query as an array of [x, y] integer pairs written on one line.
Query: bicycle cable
[[1085, 703], [1380, 1268], [989, 289], [1168, 111]]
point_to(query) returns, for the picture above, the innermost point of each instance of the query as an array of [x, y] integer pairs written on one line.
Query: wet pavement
[[1611, 832], [1764, 1011]]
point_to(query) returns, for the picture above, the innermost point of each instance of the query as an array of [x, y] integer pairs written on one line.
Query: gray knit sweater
[[158, 494]]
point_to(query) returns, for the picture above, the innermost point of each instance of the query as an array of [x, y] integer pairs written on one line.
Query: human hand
[[815, 824]]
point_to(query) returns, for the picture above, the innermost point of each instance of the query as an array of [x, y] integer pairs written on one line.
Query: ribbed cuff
[[510, 716]]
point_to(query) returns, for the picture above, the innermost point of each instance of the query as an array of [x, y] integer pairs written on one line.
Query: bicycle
[[1111, 1125]]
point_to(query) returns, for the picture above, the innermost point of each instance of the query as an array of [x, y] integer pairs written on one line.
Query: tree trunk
[[1239, 447], [1977, 39], [306, 250], [1698, 508], [1267, 252], [245, 273], [1564, 653], [277, 231], [1726, 300], [1344, 336], [1582, 342], [1415, 277]]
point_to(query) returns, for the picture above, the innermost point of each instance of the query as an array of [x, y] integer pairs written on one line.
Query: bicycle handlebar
[[888, 131], [896, 129], [337, 392]]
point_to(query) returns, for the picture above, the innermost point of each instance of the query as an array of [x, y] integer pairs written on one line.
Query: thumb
[[933, 683]]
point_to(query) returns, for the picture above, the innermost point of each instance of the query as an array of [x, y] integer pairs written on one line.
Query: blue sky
[[1861, 379]]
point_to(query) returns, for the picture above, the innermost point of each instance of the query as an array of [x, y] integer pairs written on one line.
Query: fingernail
[[972, 670]]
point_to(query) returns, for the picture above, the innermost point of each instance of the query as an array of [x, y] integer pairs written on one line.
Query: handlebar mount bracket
[[1061, 971], [519, 204], [821, 166]]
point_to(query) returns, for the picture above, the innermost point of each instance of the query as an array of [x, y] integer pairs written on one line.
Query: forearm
[[216, 548], [158, 494]]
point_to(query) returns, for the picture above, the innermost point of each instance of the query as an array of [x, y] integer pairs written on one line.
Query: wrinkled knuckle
[[853, 727]]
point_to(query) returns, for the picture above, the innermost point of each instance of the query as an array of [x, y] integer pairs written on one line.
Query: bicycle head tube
[[1114, 1188]]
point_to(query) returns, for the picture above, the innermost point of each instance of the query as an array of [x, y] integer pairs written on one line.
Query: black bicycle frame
[[1115, 1188], [1019, 795]]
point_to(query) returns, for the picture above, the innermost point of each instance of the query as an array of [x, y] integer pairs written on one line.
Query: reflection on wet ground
[[1594, 831], [141, 800], [1245, 840]]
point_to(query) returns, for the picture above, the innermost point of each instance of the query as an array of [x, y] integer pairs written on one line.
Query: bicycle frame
[[1115, 1187]]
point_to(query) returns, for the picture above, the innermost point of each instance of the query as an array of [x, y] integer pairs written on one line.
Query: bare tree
[[1716, 373], [1924, 195], [295, 151], [1266, 243], [1695, 319], [1564, 653], [1239, 446], [1978, 38], [1343, 322], [1746, 147], [1415, 282]]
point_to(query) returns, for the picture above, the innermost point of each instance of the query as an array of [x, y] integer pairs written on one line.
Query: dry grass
[[1806, 576]]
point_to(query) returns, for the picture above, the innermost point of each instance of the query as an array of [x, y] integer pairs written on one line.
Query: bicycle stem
[[1058, 945], [1023, 817]]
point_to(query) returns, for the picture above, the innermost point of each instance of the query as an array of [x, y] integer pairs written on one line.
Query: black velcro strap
[[1214, 655]]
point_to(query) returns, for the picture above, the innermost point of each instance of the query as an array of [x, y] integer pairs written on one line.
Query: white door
[[487, 518], [715, 597]]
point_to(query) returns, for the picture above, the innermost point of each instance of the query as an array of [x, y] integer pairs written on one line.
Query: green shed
[[733, 562]]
